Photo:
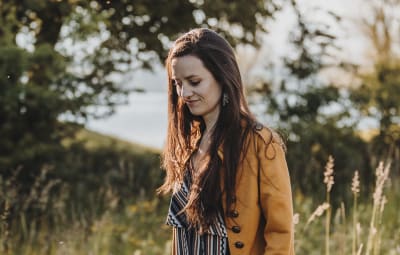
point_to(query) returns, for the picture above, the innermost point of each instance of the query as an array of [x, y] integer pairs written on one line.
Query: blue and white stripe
[[186, 240]]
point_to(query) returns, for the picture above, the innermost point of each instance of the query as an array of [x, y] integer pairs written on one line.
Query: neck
[[210, 120]]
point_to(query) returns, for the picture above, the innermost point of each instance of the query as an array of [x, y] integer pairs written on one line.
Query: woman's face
[[197, 87]]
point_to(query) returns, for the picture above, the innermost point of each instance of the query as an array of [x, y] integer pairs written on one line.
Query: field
[[109, 223]]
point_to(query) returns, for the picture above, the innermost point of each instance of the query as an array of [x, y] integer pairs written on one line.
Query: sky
[[144, 119]]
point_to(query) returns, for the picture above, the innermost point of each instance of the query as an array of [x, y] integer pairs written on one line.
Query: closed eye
[[194, 83]]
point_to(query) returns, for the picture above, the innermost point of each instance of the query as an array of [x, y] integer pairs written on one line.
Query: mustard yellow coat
[[267, 228]]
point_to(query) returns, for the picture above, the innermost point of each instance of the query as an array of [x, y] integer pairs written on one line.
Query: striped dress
[[187, 241]]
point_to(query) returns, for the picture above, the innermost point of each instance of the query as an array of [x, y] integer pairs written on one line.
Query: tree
[[76, 50], [378, 94], [314, 114], [61, 62]]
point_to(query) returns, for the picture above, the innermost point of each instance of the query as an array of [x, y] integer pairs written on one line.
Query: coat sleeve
[[275, 197]]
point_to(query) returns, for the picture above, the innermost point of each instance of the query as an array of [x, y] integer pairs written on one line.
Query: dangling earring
[[225, 99]]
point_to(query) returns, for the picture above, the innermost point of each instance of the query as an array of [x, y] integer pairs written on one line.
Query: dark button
[[233, 214], [236, 229], [233, 199], [239, 245], [259, 126]]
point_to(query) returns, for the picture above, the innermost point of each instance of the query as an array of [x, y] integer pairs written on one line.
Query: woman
[[228, 175]]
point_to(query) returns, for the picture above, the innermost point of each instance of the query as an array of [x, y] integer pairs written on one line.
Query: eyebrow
[[187, 77]]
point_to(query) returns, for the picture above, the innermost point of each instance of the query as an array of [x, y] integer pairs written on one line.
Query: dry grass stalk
[[360, 249], [355, 188], [329, 181], [296, 219], [328, 174], [382, 174], [318, 212]]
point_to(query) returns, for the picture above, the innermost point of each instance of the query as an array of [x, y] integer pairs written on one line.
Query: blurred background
[[83, 120]]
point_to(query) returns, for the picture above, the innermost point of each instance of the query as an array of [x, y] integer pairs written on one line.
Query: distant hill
[[94, 162], [93, 140]]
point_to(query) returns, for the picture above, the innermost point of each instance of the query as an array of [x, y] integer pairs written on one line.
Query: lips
[[191, 102]]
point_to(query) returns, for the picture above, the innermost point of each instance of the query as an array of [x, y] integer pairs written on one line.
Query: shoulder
[[265, 137], [270, 151]]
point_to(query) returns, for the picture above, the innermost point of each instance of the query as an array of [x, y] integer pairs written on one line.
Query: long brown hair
[[185, 129]]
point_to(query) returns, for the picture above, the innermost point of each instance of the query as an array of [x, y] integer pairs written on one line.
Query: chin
[[196, 113]]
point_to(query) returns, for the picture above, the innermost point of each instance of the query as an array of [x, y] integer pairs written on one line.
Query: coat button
[[233, 198], [236, 229], [239, 245], [233, 214], [259, 126]]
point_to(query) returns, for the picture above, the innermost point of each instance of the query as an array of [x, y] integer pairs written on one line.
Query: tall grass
[[329, 181], [137, 227], [355, 188], [373, 239]]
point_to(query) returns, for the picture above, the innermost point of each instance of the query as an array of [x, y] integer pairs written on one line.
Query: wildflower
[[328, 174]]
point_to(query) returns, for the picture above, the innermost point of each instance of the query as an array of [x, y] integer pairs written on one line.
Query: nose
[[185, 91]]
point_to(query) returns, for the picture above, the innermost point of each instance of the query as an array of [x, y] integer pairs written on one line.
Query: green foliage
[[376, 92], [138, 227], [378, 97], [60, 185], [97, 163], [11, 73], [313, 115], [60, 63], [317, 142], [99, 195]]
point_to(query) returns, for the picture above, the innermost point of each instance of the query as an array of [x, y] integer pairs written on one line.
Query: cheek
[[217, 91]]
